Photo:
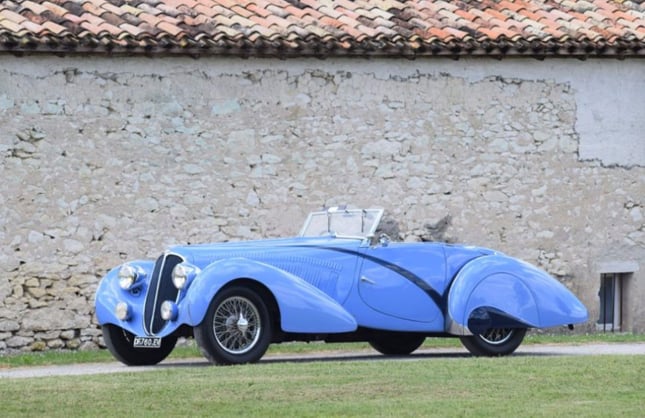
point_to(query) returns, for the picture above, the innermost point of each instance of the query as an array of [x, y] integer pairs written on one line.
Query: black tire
[[237, 327], [494, 342], [119, 342], [397, 344]]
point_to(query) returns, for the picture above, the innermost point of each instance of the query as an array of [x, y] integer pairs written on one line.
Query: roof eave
[[455, 50]]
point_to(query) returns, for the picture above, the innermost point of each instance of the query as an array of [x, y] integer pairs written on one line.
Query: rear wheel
[[236, 329], [495, 341], [395, 344], [120, 343]]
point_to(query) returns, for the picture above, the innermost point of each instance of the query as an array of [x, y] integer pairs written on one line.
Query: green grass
[[586, 386], [535, 337]]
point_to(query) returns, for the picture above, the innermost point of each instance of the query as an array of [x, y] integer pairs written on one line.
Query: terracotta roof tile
[[14, 17], [7, 24], [380, 13], [55, 28], [444, 5], [91, 8], [32, 27], [169, 28], [34, 7], [205, 11], [135, 31], [326, 27], [513, 6]]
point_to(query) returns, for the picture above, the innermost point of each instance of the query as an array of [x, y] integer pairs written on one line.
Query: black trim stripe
[[436, 297]]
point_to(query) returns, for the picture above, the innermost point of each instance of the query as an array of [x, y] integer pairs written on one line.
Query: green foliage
[[465, 386]]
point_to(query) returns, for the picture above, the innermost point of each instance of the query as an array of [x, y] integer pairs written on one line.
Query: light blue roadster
[[338, 281]]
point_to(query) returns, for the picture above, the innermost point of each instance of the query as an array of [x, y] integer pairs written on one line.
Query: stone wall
[[106, 160]]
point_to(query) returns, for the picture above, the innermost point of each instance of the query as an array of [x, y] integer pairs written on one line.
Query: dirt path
[[527, 350]]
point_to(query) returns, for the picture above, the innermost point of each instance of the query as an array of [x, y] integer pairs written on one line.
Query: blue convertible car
[[337, 281]]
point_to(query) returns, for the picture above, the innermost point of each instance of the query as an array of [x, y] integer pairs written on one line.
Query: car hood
[[204, 254]]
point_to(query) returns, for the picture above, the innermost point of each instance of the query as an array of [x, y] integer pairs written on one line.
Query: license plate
[[147, 342]]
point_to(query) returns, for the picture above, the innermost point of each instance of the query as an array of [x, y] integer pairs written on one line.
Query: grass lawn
[[440, 386], [509, 386]]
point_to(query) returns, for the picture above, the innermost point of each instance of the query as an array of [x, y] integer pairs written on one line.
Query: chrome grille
[[161, 289]]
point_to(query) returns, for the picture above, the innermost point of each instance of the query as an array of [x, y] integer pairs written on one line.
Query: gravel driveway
[[528, 350]]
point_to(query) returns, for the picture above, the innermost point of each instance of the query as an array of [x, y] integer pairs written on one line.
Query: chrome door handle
[[366, 280]]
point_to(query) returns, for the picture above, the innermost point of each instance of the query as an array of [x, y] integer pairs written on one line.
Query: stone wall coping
[[617, 266]]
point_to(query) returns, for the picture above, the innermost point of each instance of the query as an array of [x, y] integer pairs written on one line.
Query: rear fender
[[303, 307], [498, 291]]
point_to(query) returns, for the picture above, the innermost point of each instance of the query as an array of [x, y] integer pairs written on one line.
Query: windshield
[[360, 223]]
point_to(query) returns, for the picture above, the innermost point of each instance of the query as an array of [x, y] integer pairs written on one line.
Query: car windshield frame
[[342, 222]]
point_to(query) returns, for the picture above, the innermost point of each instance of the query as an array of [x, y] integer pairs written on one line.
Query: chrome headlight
[[183, 274], [169, 311], [122, 311], [130, 275], [127, 276]]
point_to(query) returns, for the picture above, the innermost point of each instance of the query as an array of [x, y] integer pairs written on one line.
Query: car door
[[404, 281]]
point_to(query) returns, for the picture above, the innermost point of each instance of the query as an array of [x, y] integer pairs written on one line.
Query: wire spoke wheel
[[494, 342], [237, 325], [497, 336]]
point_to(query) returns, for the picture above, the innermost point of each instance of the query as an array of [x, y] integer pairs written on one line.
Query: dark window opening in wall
[[611, 302]]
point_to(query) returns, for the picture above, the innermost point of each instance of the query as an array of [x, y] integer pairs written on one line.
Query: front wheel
[[236, 328], [495, 341], [120, 343]]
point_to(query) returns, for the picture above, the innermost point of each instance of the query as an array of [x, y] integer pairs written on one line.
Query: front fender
[[303, 307], [500, 291], [108, 294]]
